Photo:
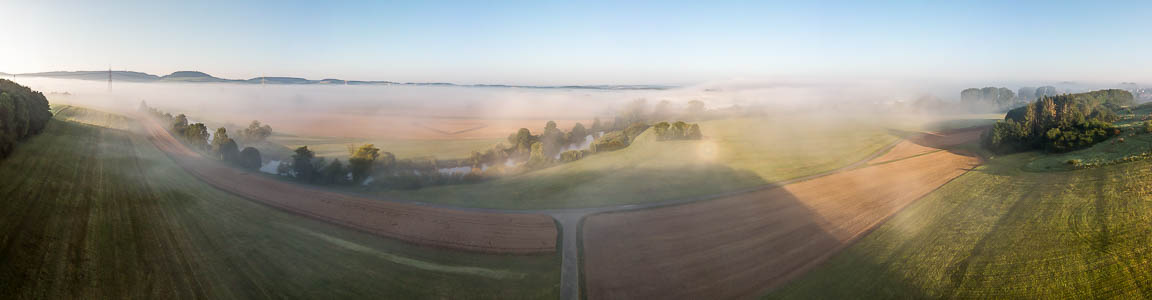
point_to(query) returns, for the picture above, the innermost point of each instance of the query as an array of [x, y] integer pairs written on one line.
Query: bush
[[250, 158], [611, 141]]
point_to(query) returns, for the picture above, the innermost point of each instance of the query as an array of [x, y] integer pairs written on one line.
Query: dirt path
[[481, 231], [741, 245]]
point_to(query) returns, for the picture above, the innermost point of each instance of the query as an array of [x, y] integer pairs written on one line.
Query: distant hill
[[197, 76], [96, 75], [193, 76]]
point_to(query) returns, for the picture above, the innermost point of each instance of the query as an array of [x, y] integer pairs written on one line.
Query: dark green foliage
[[302, 164], [1059, 123], [1079, 136], [229, 151], [23, 113], [250, 158], [334, 173], [197, 136], [179, 124], [521, 141], [218, 140]]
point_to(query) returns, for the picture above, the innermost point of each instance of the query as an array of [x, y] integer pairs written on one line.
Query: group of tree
[[221, 146], [23, 113], [1059, 123], [677, 131], [306, 167], [1000, 99]]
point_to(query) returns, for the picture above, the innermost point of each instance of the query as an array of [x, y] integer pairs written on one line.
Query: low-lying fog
[[405, 111]]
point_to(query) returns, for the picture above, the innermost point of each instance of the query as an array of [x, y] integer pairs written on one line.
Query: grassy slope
[[332, 147], [92, 212], [737, 154], [1000, 232]]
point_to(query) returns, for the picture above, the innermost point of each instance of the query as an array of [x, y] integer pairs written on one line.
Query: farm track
[[493, 232], [741, 245]]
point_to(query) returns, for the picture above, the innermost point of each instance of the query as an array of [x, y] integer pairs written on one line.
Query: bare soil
[[743, 245]]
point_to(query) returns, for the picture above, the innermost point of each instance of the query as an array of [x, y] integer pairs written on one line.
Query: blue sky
[[543, 42]]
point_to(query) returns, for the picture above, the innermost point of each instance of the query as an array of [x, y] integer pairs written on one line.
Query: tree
[[250, 158], [971, 96], [1026, 94], [256, 132], [1004, 97], [1045, 91], [537, 158], [578, 134], [334, 173], [229, 151], [180, 123], [661, 130], [596, 126], [197, 136], [694, 132], [361, 162], [553, 139], [219, 138], [302, 164]]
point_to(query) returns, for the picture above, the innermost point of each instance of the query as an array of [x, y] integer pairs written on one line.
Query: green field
[[91, 212], [736, 154], [1003, 232], [335, 147]]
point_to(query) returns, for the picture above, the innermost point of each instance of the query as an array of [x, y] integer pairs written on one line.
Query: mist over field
[[394, 111]]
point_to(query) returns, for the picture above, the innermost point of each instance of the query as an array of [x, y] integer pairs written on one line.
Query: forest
[[1059, 123]]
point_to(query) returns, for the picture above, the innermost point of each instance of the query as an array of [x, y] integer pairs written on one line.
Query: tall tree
[[361, 162], [302, 164]]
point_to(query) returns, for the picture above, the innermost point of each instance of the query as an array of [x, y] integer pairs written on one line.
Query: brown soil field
[[741, 246], [432, 226], [928, 142]]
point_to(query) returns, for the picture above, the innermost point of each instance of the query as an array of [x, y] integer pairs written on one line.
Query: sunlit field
[[1004, 232]]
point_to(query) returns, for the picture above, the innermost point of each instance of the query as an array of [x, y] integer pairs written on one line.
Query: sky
[[586, 42]]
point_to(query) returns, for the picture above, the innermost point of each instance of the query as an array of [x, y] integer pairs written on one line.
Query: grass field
[[735, 154], [1002, 232], [335, 147], [91, 212]]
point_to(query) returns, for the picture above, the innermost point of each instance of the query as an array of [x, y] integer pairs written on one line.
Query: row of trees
[[1059, 123], [306, 167], [221, 146], [999, 98], [23, 113]]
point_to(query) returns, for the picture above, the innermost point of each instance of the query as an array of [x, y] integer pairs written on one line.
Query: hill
[[193, 76], [196, 76]]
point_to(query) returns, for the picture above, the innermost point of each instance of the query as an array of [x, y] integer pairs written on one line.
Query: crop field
[[1004, 232], [91, 212], [334, 147], [734, 155], [739, 246]]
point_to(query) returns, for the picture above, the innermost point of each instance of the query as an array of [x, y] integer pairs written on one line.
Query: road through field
[[493, 232], [741, 245]]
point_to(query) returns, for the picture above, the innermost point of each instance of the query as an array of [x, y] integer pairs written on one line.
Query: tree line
[[221, 146], [1059, 123], [999, 98], [23, 113]]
